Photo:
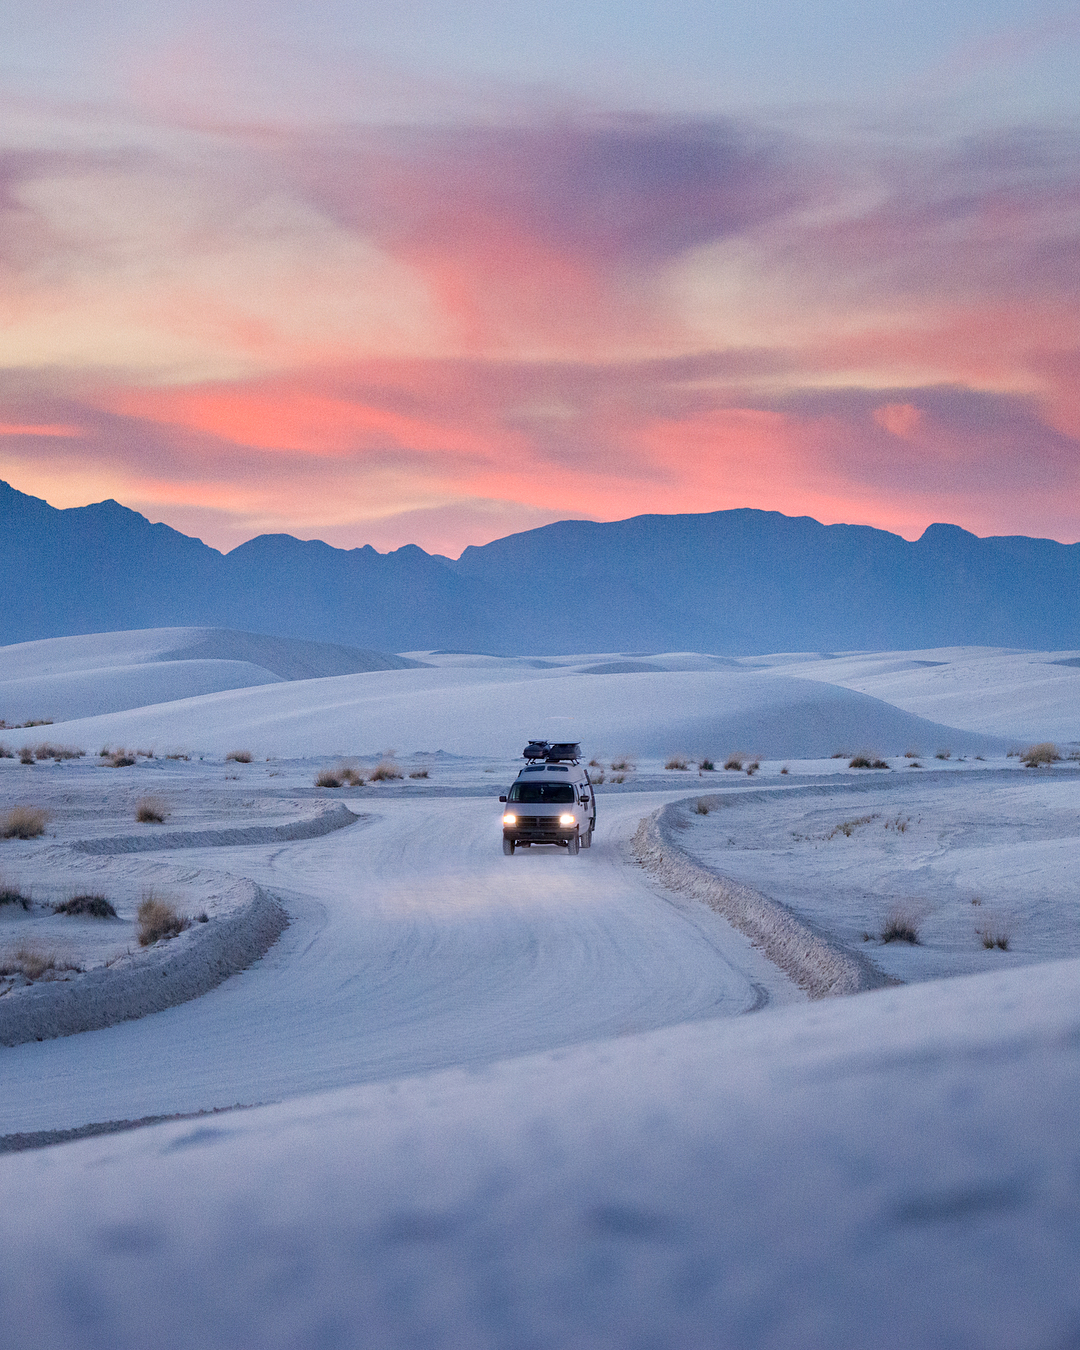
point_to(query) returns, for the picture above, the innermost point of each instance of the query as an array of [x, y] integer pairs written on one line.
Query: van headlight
[[509, 818], [567, 819]]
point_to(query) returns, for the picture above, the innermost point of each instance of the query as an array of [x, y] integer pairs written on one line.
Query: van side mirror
[[503, 797]]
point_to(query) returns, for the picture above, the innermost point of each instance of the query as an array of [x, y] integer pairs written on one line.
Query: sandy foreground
[[519, 1101]]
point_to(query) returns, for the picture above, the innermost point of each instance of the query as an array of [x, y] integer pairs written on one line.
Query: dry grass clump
[[618, 778], [677, 762], [706, 766], [90, 906], [911, 754], [28, 962], [752, 768], [994, 937], [848, 827], [943, 754], [1046, 752], [158, 919], [840, 754], [385, 771], [867, 762], [342, 775], [595, 764], [423, 773], [11, 895], [26, 755], [151, 811], [622, 765], [6, 751], [702, 807], [178, 755], [901, 926], [46, 750], [785, 769], [239, 756], [24, 822], [734, 762]]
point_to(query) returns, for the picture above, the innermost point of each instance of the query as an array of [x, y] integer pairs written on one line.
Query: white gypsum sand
[[656, 1165]]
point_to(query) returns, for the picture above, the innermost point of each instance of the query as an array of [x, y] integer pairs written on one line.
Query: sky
[[432, 272]]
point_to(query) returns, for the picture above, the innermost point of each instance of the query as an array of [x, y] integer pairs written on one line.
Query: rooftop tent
[[536, 750]]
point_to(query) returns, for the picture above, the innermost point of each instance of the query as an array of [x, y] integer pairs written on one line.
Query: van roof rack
[[561, 752]]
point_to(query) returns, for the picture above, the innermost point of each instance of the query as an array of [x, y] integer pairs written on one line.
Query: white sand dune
[[1028, 696], [60, 679], [487, 711]]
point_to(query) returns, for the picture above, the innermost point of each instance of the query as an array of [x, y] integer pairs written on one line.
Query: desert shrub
[[122, 760], [158, 919], [11, 895], [151, 811], [178, 756], [707, 766], [327, 778], [24, 822], [598, 778], [423, 773], [621, 765], [734, 762], [384, 771], [1046, 752], [26, 755], [867, 762], [6, 751], [943, 754], [239, 756], [93, 906], [618, 778], [702, 807], [594, 764], [676, 762], [752, 768], [901, 926], [353, 777], [840, 754], [911, 754], [785, 769]]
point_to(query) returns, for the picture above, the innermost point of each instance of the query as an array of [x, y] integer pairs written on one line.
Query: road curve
[[414, 944]]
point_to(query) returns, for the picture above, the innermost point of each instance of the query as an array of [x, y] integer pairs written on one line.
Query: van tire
[[586, 838], [508, 847], [572, 845]]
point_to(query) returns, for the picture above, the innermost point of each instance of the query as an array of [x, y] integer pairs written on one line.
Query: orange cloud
[[38, 429]]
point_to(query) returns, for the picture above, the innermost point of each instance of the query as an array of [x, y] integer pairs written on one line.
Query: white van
[[551, 801]]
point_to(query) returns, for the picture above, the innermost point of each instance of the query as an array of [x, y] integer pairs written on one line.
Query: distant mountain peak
[[730, 582]]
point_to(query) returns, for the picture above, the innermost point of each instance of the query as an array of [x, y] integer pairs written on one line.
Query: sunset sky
[[432, 272]]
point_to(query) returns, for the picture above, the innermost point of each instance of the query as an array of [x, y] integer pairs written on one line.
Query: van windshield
[[542, 792]]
